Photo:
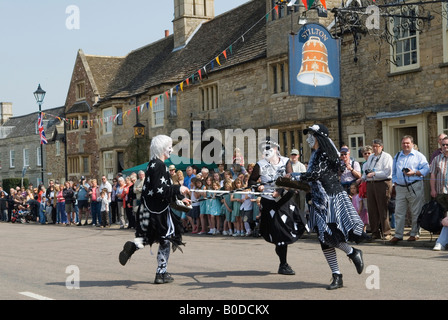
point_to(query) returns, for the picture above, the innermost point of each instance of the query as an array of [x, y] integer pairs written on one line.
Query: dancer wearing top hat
[[155, 220], [332, 214], [280, 221]]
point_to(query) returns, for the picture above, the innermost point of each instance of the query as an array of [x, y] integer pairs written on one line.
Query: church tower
[[188, 15]]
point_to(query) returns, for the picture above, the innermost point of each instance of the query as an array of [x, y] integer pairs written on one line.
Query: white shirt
[[381, 164]]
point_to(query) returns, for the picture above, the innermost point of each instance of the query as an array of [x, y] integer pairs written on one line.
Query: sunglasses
[[444, 145]]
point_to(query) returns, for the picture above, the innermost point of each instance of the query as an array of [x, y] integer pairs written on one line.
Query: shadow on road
[[197, 282]]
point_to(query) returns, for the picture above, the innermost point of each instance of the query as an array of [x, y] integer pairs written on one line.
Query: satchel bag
[[431, 216]]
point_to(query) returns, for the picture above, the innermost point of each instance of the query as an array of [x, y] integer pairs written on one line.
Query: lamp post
[[39, 94]]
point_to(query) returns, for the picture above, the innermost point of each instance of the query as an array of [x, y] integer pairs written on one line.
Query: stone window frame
[[158, 111], [107, 127], [12, 158], [76, 165], [405, 36], [441, 127], [76, 126], [355, 145], [108, 169], [209, 97], [278, 75], [26, 157], [80, 90], [445, 32], [38, 157]]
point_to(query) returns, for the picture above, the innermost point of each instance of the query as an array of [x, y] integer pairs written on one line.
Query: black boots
[[285, 269], [336, 283], [356, 257], [128, 250], [163, 278]]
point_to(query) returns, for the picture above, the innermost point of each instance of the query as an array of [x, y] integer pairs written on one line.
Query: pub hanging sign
[[314, 62]]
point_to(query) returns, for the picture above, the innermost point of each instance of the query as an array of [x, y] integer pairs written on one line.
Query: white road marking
[[35, 296]]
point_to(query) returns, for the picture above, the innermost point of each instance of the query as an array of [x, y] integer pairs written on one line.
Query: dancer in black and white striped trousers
[[332, 214]]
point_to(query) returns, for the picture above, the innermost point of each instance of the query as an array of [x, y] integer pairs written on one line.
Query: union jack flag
[[40, 126]]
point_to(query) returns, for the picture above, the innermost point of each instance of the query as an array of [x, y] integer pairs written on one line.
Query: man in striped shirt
[[439, 175]]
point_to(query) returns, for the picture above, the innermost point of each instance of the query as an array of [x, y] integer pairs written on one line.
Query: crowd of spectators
[[384, 190]]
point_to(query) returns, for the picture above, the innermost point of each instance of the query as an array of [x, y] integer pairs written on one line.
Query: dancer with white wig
[[156, 223], [332, 214]]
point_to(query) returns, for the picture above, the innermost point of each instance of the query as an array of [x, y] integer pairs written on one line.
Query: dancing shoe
[[163, 278], [285, 269], [336, 283], [356, 257], [128, 250]]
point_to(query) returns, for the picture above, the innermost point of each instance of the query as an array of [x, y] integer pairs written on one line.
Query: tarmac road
[[81, 263]]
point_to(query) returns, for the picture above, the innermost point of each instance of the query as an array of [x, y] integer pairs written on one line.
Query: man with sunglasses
[[439, 187], [409, 168], [439, 178]]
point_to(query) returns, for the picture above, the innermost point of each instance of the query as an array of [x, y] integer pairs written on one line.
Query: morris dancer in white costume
[[280, 221]]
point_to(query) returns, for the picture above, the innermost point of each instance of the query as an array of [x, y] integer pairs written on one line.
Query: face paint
[[268, 152], [311, 140], [168, 151]]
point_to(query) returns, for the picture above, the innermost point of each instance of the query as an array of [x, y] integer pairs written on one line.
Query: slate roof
[[22, 127], [104, 69], [156, 64], [79, 107]]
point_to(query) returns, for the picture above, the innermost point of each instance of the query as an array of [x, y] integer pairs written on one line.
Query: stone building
[[247, 87], [20, 146]]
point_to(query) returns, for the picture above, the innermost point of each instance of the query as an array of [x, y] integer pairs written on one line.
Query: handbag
[[431, 216]]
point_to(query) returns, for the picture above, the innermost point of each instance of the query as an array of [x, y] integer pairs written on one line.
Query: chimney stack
[[5, 112], [167, 33], [188, 15]]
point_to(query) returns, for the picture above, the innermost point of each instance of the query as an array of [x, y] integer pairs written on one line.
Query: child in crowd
[[43, 205], [193, 214], [256, 215], [48, 212], [236, 215], [358, 203], [202, 205], [105, 208], [208, 203], [226, 209], [246, 209], [215, 210]]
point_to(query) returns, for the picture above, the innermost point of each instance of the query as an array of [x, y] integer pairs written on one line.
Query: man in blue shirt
[[189, 175], [409, 168]]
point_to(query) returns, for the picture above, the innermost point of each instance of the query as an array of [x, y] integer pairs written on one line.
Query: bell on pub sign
[[139, 131], [314, 70]]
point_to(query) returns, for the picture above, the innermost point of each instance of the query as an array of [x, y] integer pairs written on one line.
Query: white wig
[[158, 146]]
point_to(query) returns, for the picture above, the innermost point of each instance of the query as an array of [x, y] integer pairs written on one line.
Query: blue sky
[[37, 47]]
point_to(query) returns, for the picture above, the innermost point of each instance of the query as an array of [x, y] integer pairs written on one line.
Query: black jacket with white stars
[[158, 190]]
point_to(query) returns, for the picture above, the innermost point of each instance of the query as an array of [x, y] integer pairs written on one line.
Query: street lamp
[[39, 94]]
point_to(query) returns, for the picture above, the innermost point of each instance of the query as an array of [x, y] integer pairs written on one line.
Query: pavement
[[47, 261]]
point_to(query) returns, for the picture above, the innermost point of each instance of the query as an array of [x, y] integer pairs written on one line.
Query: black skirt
[[280, 222], [157, 227]]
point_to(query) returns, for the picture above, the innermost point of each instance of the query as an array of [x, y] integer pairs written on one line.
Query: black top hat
[[269, 141], [319, 129]]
